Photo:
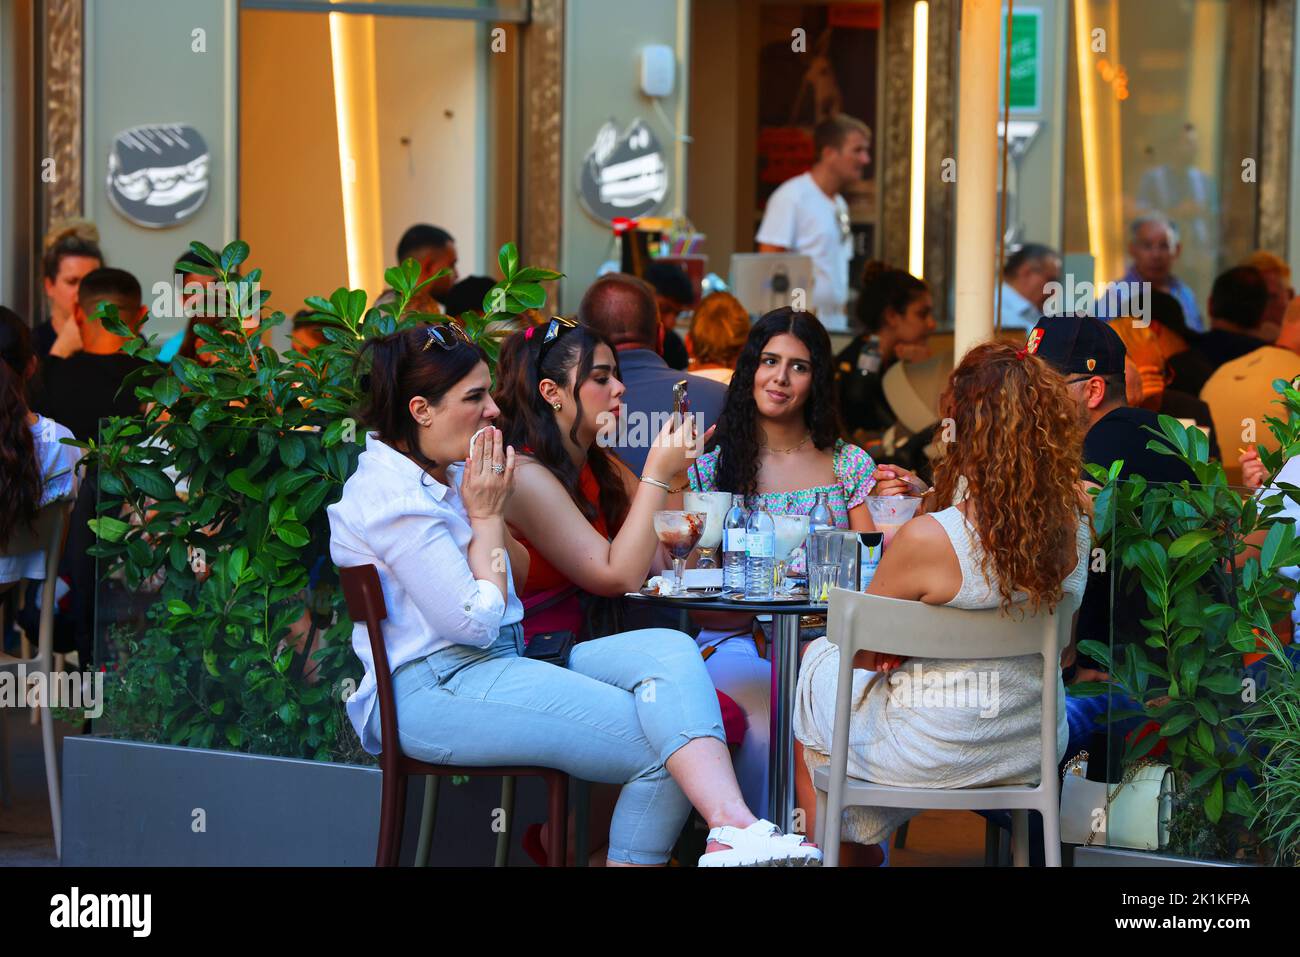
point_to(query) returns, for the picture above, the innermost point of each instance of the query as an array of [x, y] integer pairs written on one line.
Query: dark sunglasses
[[448, 336], [557, 327]]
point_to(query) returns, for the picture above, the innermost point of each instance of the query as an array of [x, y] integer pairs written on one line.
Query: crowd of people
[[463, 468]]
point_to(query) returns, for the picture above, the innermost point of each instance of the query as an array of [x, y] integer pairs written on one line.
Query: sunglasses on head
[[554, 329], [448, 336]]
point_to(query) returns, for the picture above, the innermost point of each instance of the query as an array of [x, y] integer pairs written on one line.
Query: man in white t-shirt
[[807, 214]]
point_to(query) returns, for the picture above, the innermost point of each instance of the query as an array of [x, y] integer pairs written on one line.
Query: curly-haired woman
[[777, 443], [1015, 529]]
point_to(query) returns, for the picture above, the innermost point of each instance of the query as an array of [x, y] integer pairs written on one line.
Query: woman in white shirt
[[426, 508], [35, 466]]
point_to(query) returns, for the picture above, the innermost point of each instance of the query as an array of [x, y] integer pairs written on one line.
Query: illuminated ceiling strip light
[[1091, 153], [920, 55]]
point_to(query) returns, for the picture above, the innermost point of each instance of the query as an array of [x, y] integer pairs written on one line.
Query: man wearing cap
[[1090, 354]]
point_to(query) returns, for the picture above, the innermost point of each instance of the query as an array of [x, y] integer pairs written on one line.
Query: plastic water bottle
[[733, 545], [760, 554]]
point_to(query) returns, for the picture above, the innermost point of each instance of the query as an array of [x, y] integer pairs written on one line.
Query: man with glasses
[[1154, 248], [807, 214], [1090, 354]]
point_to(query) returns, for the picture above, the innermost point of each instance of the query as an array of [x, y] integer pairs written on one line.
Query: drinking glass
[[680, 532], [791, 530], [889, 512], [825, 547], [715, 505]]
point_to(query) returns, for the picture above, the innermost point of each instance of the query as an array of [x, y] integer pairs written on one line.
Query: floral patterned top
[[854, 470]]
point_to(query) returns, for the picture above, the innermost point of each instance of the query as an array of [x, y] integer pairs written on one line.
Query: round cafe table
[[785, 673]]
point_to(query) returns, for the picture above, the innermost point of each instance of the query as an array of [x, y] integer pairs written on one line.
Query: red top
[[545, 580]]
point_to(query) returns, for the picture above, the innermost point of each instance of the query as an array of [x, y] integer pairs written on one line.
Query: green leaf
[[238, 562], [178, 608], [240, 482], [537, 274], [508, 259], [1205, 737], [234, 254], [1098, 651], [109, 529], [167, 390], [205, 254], [151, 481], [1186, 544], [1177, 723], [1214, 801], [1222, 683], [292, 450], [291, 533], [210, 662], [529, 294]]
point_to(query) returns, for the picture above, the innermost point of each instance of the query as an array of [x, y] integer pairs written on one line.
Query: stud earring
[[556, 406]]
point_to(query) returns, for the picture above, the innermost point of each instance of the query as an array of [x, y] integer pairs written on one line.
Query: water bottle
[[821, 515], [733, 545], [760, 554]]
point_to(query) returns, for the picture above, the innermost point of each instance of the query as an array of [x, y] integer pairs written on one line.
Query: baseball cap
[[1077, 345]]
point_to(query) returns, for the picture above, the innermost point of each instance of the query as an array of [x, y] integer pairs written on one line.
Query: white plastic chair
[[47, 535], [911, 628]]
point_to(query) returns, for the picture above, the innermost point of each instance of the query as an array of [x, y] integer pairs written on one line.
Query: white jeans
[[738, 672]]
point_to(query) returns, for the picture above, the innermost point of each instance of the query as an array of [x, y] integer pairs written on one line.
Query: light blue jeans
[[615, 715]]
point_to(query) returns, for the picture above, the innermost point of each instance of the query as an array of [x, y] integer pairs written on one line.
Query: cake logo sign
[[623, 175], [158, 174]]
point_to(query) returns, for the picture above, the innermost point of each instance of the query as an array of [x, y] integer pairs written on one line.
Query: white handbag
[[1135, 814]]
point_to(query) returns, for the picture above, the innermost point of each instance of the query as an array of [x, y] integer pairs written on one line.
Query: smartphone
[[681, 400]]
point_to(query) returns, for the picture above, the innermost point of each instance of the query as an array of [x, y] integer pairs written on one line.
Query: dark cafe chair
[[365, 599]]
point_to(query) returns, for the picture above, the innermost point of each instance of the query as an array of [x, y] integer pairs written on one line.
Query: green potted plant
[[211, 513], [1208, 600]]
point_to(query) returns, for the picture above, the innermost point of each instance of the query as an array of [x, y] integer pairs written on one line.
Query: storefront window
[[1162, 118]]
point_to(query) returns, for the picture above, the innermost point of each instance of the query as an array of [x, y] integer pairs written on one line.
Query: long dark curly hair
[[528, 422], [20, 474], [737, 432]]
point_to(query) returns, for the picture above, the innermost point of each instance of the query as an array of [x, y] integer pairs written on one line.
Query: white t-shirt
[[58, 471], [803, 219]]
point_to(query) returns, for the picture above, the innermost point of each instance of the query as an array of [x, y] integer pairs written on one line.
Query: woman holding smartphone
[[435, 530]]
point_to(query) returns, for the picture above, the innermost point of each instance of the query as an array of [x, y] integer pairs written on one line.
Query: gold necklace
[[795, 448]]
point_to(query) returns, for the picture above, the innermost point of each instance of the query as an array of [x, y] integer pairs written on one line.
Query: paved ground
[[935, 838], [26, 836]]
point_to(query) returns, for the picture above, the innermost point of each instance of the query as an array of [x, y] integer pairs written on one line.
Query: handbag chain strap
[[1111, 795]]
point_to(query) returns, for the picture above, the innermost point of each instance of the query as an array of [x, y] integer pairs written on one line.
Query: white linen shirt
[[58, 466], [803, 219], [415, 531]]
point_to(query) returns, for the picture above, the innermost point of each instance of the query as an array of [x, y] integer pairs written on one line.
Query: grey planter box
[[1125, 857], [128, 803]]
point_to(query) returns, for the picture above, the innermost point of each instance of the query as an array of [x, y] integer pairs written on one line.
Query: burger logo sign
[[623, 174], [158, 174]]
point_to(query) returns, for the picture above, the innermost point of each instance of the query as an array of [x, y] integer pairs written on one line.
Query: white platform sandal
[[760, 845]]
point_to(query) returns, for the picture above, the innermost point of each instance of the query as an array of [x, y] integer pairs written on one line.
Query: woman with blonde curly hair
[[1011, 526]]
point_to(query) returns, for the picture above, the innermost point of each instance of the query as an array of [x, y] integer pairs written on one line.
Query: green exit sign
[[1026, 60]]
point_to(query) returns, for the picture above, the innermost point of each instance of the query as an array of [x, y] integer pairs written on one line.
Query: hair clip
[[528, 333]]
